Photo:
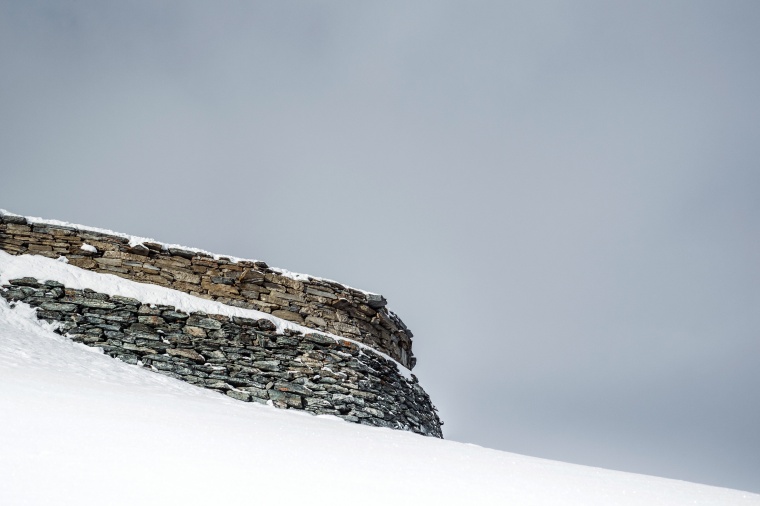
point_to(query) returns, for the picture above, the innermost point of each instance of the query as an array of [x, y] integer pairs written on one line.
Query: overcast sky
[[560, 199]]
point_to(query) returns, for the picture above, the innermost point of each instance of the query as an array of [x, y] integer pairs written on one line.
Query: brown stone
[[33, 248], [276, 297], [184, 275], [153, 246], [63, 232], [291, 283], [102, 245], [341, 303], [194, 331], [171, 262], [346, 328], [13, 228], [139, 249], [251, 276], [184, 287], [114, 269], [288, 315], [220, 290], [108, 261], [124, 256], [314, 320], [320, 293], [185, 353], [83, 263], [204, 261], [368, 311], [156, 280]]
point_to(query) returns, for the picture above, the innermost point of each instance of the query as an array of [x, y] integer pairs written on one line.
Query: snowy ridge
[[79, 428], [43, 268], [135, 240]]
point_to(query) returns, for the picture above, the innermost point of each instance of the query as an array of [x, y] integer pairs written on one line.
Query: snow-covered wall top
[[316, 303]]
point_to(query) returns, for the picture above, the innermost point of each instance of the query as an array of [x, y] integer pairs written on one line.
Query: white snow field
[[80, 428]]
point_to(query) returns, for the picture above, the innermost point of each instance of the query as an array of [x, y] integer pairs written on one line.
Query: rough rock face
[[315, 303], [242, 358]]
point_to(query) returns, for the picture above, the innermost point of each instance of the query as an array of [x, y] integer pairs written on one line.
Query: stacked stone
[[240, 357], [318, 304]]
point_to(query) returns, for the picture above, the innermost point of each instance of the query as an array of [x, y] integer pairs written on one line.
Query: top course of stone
[[317, 303]]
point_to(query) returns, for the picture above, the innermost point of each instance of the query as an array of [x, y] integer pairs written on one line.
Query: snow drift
[[77, 427]]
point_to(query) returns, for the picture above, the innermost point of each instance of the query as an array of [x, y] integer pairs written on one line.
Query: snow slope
[[77, 427]]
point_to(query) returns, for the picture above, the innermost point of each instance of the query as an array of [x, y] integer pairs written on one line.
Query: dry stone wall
[[242, 358], [318, 304]]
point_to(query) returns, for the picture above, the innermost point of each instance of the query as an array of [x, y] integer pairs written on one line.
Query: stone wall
[[242, 358], [318, 304]]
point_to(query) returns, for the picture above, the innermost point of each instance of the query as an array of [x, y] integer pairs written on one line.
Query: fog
[[559, 199]]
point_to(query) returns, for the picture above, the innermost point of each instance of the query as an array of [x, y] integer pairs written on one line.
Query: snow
[[135, 240], [44, 269], [80, 428], [89, 247]]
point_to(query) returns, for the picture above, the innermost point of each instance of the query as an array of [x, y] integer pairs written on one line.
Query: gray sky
[[559, 198]]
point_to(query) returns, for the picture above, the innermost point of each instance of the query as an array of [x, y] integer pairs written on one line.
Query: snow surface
[[134, 240], [44, 269], [80, 428]]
